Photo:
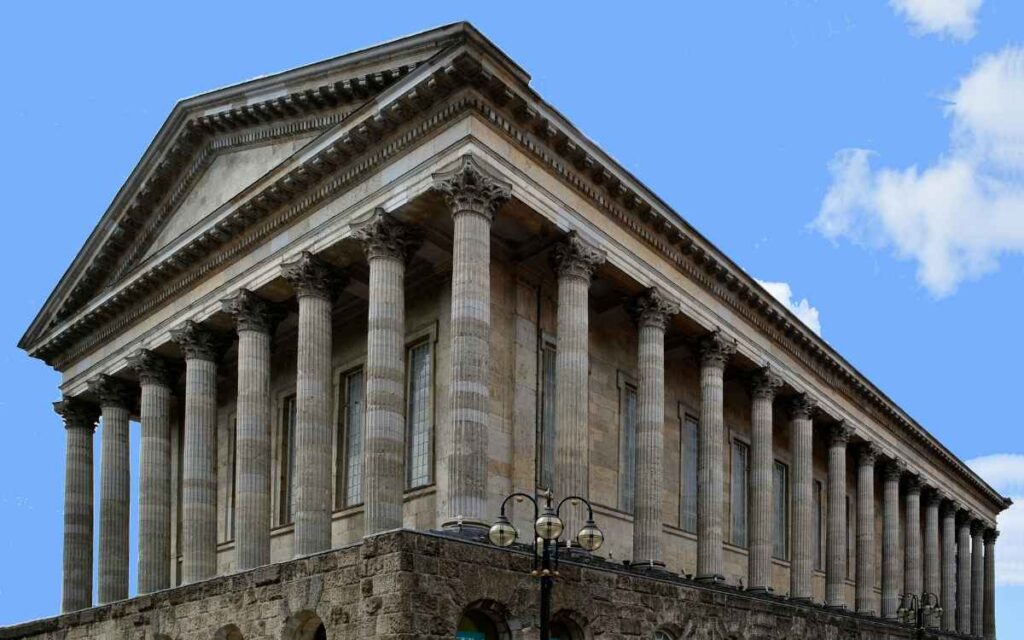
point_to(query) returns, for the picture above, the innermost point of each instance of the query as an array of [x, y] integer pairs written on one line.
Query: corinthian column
[[474, 197], [932, 582], [387, 243], [835, 567], [891, 538], [715, 352], [314, 284], [79, 423], [865, 599], [255, 320], [154, 471], [912, 544], [574, 262], [202, 350], [759, 566], [115, 494], [977, 578], [963, 573], [949, 511], [652, 311], [802, 438], [990, 584]]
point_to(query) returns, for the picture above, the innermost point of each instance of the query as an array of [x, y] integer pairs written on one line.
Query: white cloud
[[1005, 472], [803, 310], [959, 216], [955, 18]]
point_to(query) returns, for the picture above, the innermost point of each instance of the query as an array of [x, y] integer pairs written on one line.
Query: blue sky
[[866, 157]]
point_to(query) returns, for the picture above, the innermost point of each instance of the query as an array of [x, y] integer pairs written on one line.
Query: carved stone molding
[[311, 276], [252, 313], [913, 482], [933, 497], [765, 383], [469, 187], [716, 349], [77, 413], [151, 368], [991, 535], [383, 236], [653, 308], [198, 342], [894, 469], [978, 527], [802, 406], [867, 454], [840, 433], [577, 258], [111, 391]]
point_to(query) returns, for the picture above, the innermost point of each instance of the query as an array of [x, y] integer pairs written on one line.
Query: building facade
[[352, 306]]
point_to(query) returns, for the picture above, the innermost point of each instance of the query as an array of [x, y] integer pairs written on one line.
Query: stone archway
[[568, 625], [304, 625], [228, 632], [483, 620]]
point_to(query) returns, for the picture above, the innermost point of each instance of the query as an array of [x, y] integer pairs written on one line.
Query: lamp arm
[[590, 509], [533, 500]]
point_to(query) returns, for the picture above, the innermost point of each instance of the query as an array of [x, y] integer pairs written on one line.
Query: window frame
[[686, 416], [424, 335], [625, 383], [284, 458], [818, 533], [545, 477], [785, 492], [745, 485], [341, 462]]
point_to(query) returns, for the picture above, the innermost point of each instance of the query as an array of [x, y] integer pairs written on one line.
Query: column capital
[[933, 497], [963, 516], [198, 342], [383, 236], [574, 257], [310, 275], [991, 535], [977, 527], [840, 433], [470, 187], [151, 368], [802, 406], [867, 454], [716, 348], [894, 469], [950, 507], [653, 308], [111, 391], [252, 313], [77, 413], [765, 383], [913, 480]]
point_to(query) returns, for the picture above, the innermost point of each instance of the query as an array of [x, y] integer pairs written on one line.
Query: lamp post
[[914, 609], [548, 529]]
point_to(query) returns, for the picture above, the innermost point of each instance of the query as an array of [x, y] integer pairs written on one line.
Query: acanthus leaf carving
[[576, 258], [469, 187], [383, 236]]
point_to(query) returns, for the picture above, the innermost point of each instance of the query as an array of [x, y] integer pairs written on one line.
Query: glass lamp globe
[[549, 526], [590, 537], [502, 533]]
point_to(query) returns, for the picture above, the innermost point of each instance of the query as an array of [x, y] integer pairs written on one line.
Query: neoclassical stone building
[[351, 306]]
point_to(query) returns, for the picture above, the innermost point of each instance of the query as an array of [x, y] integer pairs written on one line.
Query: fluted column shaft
[[652, 311], [912, 545], [891, 539], [948, 596], [835, 567], [963, 583], [199, 482], [759, 565], [802, 439], [865, 596], [932, 582], [154, 473], [80, 424], [989, 620], [473, 197], [977, 579], [715, 351], [386, 242], [115, 493]]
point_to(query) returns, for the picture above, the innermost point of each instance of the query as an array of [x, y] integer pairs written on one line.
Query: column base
[[803, 599], [649, 566], [836, 607], [466, 529], [761, 590], [713, 578]]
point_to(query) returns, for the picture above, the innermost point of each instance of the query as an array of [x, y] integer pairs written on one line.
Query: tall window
[[688, 475], [229, 489], [780, 511], [353, 417], [287, 463], [850, 541], [419, 416], [816, 515], [740, 466], [546, 424], [627, 446]]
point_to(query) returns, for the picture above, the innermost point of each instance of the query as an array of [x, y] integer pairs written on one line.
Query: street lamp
[[548, 528], [914, 609]]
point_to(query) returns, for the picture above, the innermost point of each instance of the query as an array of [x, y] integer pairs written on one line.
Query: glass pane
[[739, 494], [546, 480], [627, 449], [418, 416], [688, 509], [780, 520], [817, 525], [286, 512], [355, 416]]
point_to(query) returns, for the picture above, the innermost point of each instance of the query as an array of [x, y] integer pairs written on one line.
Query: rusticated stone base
[[415, 585]]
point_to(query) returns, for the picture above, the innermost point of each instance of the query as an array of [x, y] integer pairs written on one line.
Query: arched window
[[304, 625], [484, 620]]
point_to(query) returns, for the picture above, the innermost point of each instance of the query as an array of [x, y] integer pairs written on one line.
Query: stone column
[[154, 471], [314, 284], [990, 585], [79, 423], [255, 320], [759, 565], [977, 578], [835, 561], [388, 244], [963, 573], [802, 436], [652, 311], [574, 261], [865, 599], [115, 493], [912, 537], [715, 352], [891, 538], [202, 350], [932, 583], [948, 595], [474, 197]]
